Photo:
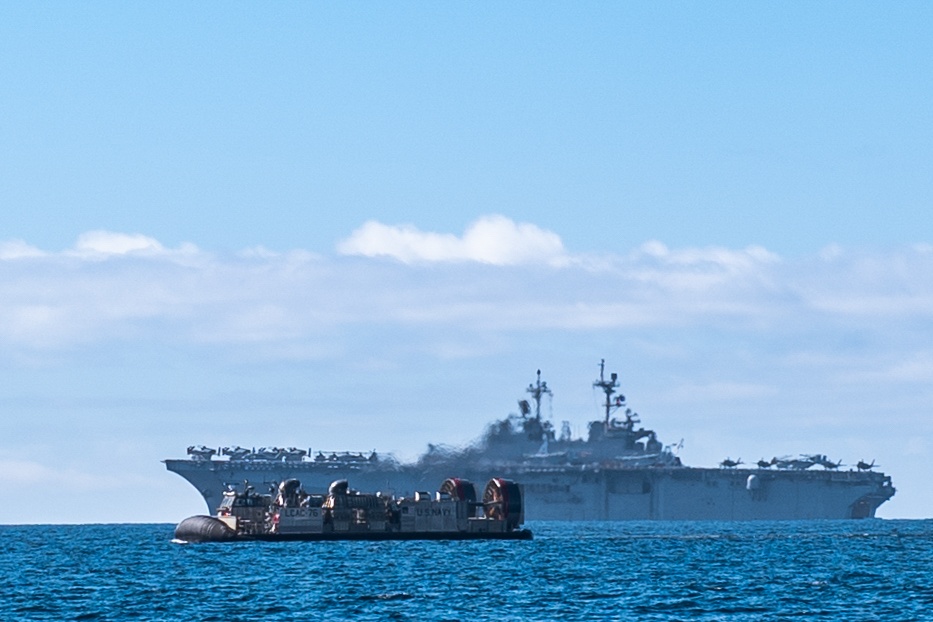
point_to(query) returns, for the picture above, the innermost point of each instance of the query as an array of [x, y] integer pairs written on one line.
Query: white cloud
[[264, 298], [109, 243], [890, 285], [17, 249], [103, 244], [493, 240], [728, 259]]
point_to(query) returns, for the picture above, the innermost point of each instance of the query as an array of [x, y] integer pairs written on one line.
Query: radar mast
[[537, 391], [609, 388]]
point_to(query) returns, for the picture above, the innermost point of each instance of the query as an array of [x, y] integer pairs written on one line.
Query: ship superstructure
[[620, 471]]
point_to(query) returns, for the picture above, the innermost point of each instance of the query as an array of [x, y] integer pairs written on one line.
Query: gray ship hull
[[587, 493], [618, 472]]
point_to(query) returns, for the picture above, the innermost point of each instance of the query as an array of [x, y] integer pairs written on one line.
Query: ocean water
[[820, 570]]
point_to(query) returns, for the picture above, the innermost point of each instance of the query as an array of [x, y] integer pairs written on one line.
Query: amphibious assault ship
[[618, 472]]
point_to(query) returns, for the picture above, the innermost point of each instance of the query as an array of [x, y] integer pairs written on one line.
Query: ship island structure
[[618, 472]]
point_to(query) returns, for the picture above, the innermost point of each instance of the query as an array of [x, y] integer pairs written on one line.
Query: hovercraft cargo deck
[[452, 513]]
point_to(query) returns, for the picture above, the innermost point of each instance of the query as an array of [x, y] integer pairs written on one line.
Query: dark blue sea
[[825, 570]]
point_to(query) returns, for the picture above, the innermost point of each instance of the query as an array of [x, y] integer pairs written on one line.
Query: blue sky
[[357, 226]]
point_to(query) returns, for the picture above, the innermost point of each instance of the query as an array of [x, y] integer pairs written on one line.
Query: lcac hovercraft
[[290, 513]]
